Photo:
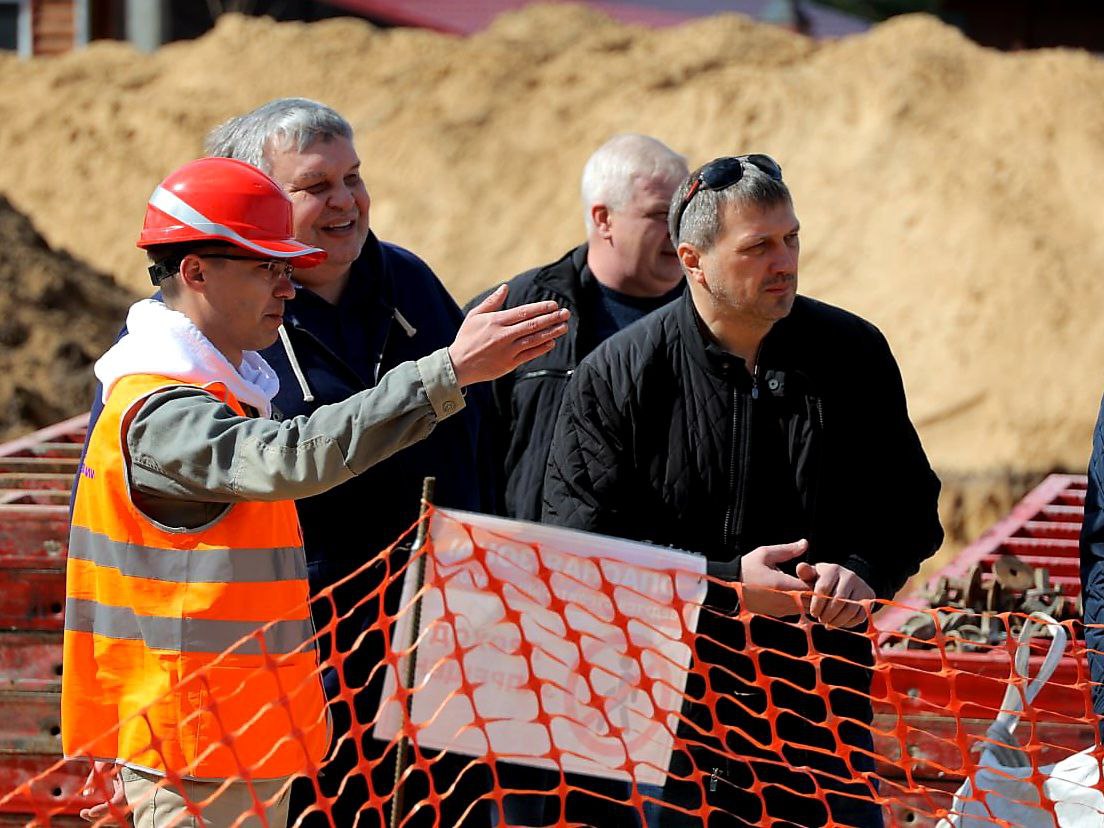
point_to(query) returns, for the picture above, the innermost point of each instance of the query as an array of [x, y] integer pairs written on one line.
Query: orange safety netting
[[515, 674]]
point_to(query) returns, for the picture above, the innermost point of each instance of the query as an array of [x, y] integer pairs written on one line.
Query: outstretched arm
[[185, 444]]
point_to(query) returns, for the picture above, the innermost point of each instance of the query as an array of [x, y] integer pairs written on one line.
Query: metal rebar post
[[417, 560]]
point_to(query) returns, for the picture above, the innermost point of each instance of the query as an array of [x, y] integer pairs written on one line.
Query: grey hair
[[702, 220], [298, 121], [613, 170]]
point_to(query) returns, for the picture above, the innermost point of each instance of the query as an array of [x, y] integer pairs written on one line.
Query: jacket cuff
[[439, 381], [720, 594], [721, 597]]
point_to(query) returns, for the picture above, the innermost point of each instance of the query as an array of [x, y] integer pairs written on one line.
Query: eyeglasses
[[722, 173], [275, 267]]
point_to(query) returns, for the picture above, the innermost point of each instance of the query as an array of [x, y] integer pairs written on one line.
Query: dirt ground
[[56, 316], [949, 193]]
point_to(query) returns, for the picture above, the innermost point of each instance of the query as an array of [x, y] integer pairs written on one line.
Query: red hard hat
[[223, 199]]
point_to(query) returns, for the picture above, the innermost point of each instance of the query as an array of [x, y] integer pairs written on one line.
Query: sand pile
[[949, 193], [56, 316]]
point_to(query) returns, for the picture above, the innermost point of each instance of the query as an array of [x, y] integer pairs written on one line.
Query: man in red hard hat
[[190, 673]]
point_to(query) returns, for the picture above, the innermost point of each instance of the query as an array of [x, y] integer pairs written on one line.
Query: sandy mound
[[949, 193], [56, 316]]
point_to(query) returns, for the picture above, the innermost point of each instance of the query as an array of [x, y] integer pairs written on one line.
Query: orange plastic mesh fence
[[558, 678]]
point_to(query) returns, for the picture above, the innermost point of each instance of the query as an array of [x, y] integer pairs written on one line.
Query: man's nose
[[785, 261], [284, 288], [342, 198]]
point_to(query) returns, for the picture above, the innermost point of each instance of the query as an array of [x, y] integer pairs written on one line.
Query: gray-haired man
[[371, 306]]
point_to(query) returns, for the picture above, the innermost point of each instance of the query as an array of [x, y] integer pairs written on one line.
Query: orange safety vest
[[150, 610]]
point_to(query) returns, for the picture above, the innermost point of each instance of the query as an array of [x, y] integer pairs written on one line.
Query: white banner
[[549, 646]]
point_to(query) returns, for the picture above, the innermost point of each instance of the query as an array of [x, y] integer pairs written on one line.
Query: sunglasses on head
[[722, 173]]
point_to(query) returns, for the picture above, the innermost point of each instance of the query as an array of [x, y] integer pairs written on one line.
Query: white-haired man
[[626, 268]]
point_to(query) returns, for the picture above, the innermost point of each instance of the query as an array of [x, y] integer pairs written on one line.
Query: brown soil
[[56, 316], [949, 193]]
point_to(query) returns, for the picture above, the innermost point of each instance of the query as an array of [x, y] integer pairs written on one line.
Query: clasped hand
[[829, 593]]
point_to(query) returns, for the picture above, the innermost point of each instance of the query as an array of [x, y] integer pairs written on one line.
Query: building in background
[[48, 27], [43, 27]]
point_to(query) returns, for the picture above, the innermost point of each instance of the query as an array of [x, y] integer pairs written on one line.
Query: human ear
[[600, 216], [191, 272], [690, 257]]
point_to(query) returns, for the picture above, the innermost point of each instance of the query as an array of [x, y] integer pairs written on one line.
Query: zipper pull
[[713, 779], [755, 381]]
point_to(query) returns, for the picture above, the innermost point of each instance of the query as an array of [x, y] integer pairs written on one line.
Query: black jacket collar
[[774, 360], [569, 277]]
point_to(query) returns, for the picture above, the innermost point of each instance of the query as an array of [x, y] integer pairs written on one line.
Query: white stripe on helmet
[[173, 206]]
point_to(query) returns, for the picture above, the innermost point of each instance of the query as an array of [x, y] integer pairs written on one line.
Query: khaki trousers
[[157, 804]]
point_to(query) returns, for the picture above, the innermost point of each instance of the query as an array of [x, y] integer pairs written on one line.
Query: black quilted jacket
[[661, 438], [526, 400]]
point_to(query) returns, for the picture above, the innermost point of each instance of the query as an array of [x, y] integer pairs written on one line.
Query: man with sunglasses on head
[[745, 422], [190, 657]]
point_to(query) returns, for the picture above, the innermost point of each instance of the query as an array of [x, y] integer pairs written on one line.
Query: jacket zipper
[[383, 349], [815, 489], [547, 372], [738, 496], [745, 459], [731, 469]]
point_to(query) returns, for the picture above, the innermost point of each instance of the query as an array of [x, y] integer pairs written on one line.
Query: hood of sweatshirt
[[167, 343]]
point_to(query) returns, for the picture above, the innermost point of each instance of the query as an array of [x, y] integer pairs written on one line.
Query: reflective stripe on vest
[[176, 640], [189, 566], [189, 635]]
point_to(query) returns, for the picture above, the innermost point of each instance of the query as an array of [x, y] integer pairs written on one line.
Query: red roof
[[469, 16]]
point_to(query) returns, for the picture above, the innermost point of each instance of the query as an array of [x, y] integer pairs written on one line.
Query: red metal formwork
[[36, 474], [932, 707]]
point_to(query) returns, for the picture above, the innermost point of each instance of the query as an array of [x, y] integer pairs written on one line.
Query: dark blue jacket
[[394, 309], [1092, 565]]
